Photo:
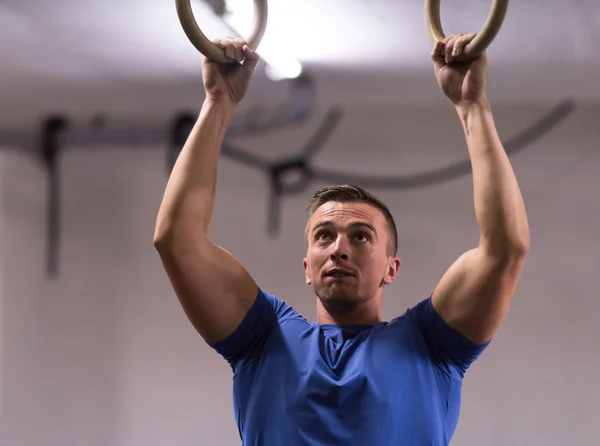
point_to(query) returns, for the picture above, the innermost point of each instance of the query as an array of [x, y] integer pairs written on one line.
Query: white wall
[[104, 356]]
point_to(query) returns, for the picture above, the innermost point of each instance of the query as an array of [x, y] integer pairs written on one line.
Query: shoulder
[[405, 328], [268, 314], [413, 316], [447, 347], [423, 313], [282, 310]]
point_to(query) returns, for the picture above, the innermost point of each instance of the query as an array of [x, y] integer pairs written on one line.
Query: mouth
[[339, 273]]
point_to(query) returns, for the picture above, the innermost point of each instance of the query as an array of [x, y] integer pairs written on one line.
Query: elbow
[[162, 235], [164, 230], [508, 249], [175, 235], [508, 242], [516, 251], [519, 247], [522, 248]]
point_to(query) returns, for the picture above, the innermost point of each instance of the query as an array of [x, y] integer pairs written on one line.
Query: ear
[[306, 272], [392, 271]]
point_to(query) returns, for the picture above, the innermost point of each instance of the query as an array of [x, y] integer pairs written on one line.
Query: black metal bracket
[[50, 150], [292, 176]]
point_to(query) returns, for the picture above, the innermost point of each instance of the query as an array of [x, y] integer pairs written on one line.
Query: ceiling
[[116, 53]]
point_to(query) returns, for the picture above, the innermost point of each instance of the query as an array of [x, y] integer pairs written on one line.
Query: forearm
[[188, 200], [499, 205]]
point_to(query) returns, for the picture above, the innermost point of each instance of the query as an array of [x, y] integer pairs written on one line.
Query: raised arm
[[214, 290], [475, 294]]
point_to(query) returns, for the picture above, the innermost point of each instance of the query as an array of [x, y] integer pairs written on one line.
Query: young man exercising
[[350, 378]]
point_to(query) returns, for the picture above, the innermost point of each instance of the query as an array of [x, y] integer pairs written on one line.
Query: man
[[350, 378]]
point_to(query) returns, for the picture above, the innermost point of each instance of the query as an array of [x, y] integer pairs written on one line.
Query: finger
[[447, 39], [461, 43], [448, 54], [238, 48], [227, 47], [438, 49], [231, 48], [437, 55], [250, 59], [444, 42]]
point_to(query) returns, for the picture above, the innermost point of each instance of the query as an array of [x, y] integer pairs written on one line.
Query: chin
[[340, 299]]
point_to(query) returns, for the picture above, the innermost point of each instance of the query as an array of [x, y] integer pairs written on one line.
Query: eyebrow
[[355, 225]]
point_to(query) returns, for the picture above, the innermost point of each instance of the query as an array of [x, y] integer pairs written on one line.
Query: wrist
[[473, 110], [464, 108], [221, 106]]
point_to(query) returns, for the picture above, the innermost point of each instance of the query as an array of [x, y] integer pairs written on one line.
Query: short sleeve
[[248, 340], [448, 348]]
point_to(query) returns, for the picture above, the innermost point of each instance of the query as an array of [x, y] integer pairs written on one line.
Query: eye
[[362, 237], [323, 235]]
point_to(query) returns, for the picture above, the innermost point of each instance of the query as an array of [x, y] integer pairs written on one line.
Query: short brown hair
[[353, 194]]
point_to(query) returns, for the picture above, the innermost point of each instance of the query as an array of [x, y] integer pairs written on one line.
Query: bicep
[[214, 289], [474, 295]]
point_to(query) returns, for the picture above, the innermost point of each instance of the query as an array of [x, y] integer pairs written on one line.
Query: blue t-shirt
[[394, 383]]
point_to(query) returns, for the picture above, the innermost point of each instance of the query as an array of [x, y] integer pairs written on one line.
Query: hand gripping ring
[[481, 41], [205, 46]]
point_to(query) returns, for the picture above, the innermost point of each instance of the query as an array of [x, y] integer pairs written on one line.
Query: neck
[[367, 313]]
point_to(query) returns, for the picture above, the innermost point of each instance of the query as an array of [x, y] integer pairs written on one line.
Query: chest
[[364, 386], [366, 370]]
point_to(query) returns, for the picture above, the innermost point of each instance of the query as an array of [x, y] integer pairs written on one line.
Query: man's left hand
[[463, 82]]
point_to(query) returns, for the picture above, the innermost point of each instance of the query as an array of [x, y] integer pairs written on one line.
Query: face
[[347, 261]]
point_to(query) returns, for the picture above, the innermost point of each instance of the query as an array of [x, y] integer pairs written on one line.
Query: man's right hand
[[229, 82]]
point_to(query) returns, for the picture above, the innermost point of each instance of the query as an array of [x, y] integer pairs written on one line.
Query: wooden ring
[[208, 48], [481, 41]]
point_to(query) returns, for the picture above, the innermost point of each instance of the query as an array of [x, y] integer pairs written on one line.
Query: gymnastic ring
[[205, 46], [481, 41]]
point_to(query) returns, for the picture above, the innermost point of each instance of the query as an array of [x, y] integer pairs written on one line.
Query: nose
[[340, 250]]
